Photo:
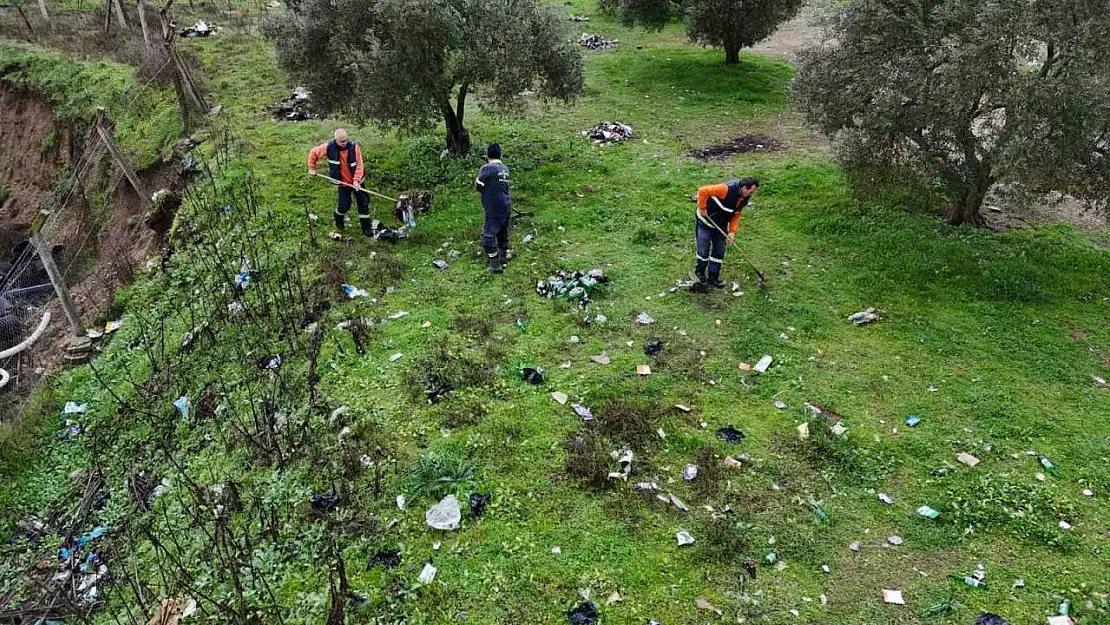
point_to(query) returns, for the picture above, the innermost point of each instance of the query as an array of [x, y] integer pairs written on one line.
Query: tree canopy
[[404, 63], [728, 24], [953, 97]]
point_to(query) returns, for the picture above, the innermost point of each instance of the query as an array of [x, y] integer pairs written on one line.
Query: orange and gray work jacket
[[344, 163], [721, 204]]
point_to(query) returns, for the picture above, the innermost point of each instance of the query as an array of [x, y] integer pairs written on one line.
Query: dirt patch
[[793, 36], [98, 253], [740, 145]]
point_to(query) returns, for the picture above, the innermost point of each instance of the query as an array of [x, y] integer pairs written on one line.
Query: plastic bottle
[[969, 581], [1048, 466]]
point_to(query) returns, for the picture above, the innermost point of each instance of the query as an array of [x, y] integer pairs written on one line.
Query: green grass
[[983, 318]]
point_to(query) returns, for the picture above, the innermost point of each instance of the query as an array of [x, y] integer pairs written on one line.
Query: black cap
[[493, 151]]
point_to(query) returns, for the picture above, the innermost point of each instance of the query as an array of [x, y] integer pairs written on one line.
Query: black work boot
[[367, 225], [495, 265], [715, 280], [340, 221], [503, 257]]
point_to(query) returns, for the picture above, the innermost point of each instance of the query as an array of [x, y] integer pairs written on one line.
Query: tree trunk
[[42, 9], [732, 55], [142, 22], [966, 211], [458, 139]]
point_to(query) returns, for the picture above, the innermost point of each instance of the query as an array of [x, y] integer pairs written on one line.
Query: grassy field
[[992, 338]]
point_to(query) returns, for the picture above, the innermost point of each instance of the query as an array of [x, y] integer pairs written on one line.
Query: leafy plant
[[437, 474]]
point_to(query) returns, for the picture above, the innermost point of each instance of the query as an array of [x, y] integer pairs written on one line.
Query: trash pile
[[297, 107], [81, 568], [381, 233], [198, 29], [608, 132], [576, 286], [595, 43], [863, 317], [411, 204]]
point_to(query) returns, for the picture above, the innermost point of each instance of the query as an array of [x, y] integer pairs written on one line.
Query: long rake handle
[[739, 251], [356, 188]]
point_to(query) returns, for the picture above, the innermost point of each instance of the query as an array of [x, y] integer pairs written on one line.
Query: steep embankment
[[52, 166]]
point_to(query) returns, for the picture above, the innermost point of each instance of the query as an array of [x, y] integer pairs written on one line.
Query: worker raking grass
[[717, 218], [346, 169]]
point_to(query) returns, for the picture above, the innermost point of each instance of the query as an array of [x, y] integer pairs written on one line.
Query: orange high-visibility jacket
[[718, 193], [321, 152]]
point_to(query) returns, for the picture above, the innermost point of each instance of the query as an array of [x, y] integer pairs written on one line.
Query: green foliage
[[735, 25], [1001, 503], [402, 63], [438, 474], [960, 95]]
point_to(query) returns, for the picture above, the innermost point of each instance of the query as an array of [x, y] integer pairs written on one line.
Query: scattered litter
[[1100, 381], [396, 357], [990, 619], [863, 317], [436, 391], [1064, 525], [295, 107], [781, 405], [584, 614], [771, 557], [684, 538], [397, 315], [1048, 466], [478, 503], [73, 407], [803, 430], [445, 515], [643, 370], [401, 502], [895, 540], [574, 286], [574, 339], [440, 264], [198, 29], [887, 499], [730, 435], [763, 363], [1019, 583], [579, 18], [595, 43], [614, 598], [682, 407], [893, 596], [689, 472], [967, 459], [556, 550], [625, 461], [353, 291], [389, 558], [601, 359], [1088, 492], [838, 429], [324, 503], [928, 512], [733, 463], [182, 404], [560, 397], [428, 574], [703, 604], [532, 375], [912, 420], [527, 239], [653, 347], [744, 366], [583, 412], [1060, 620], [825, 568], [854, 547], [608, 132], [644, 319], [678, 503]]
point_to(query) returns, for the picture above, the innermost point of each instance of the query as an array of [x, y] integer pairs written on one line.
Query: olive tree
[[405, 63], [729, 24], [952, 97], [736, 24]]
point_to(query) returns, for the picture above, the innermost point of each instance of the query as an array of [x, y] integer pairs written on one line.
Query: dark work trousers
[[344, 205], [495, 234], [710, 251]]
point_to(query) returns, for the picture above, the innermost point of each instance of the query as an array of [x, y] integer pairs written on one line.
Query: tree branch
[[460, 107], [1050, 60]]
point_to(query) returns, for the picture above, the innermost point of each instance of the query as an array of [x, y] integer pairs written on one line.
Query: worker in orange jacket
[[718, 216], [344, 164]]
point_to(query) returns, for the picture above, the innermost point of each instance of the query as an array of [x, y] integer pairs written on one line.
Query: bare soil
[[739, 145]]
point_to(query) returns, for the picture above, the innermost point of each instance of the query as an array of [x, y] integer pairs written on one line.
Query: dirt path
[[792, 36]]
